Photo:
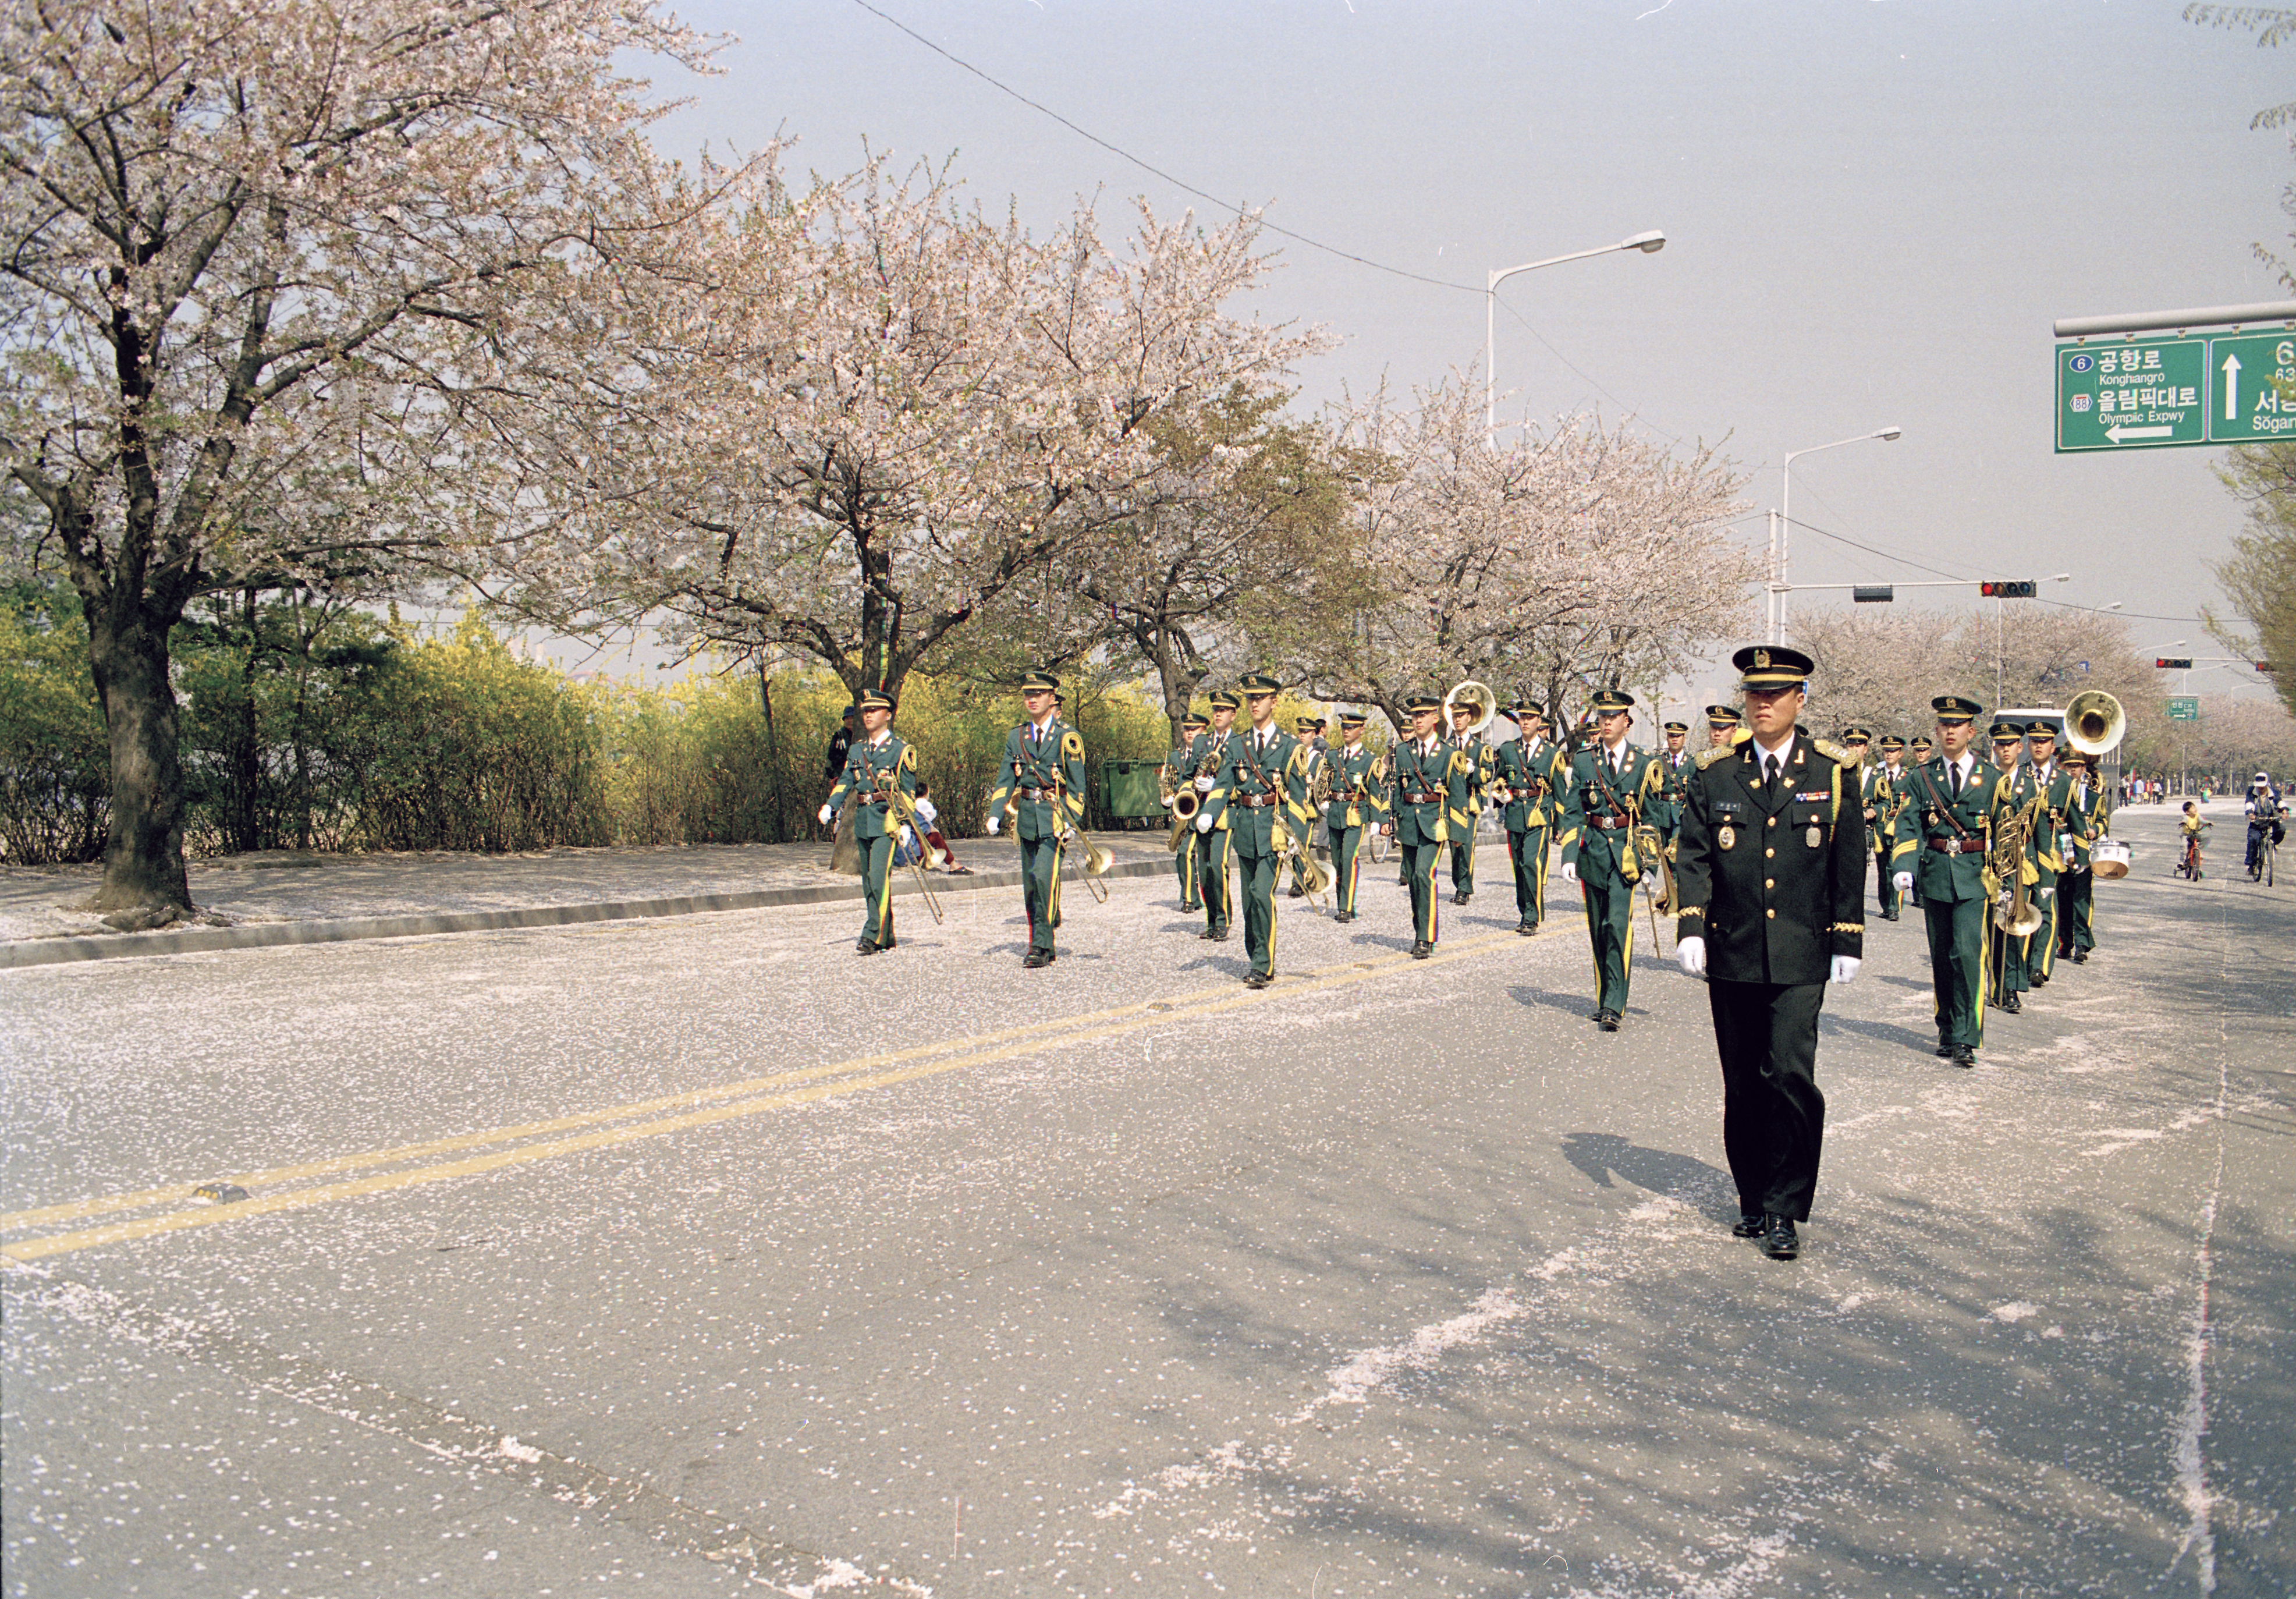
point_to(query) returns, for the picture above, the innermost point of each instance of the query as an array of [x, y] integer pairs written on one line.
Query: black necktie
[[1956, 779], [1770, 768]]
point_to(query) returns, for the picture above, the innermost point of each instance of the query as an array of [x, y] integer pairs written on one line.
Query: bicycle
[[2188, 865], [2268, 851]]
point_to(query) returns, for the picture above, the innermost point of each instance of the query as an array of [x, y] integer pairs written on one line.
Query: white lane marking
[[2200, 1539]]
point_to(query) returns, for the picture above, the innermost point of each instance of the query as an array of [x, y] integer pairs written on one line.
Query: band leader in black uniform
[[1770, 875]]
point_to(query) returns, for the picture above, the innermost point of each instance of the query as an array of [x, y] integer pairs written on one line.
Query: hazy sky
[[1873, 213]]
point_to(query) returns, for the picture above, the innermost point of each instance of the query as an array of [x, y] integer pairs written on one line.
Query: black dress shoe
[[1781, 1242], [1219, 933], [1421, 950], [2081, 957], [1035, 959], [1964, 1055], [1297, 892], [864, 947], [1343, 917], [1608, 1021], [1526, 927], [1889, 915], [1750, 1223], [1944, 1050], [2012, 1003], [1259, 980], [2040, 979], [1460, 898]]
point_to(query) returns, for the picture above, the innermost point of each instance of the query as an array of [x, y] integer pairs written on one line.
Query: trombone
[[1096, 858], [904, 807], [1311, 873]]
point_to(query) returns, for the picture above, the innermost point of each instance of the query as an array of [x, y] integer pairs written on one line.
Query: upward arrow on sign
[[2231, 386]]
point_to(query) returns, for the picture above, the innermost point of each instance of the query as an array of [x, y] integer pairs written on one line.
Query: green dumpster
[[1129, 794]]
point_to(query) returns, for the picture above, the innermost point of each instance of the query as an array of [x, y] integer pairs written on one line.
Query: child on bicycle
[[2190, 827]]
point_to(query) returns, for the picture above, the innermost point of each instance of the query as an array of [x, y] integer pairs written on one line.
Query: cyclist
[[2190, 827], [2264, 813]]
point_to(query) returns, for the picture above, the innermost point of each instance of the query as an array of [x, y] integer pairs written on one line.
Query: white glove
[[2049, 893], [907, 837], [1905, 881], [1691, 953], [825, 813], [1203, 785], [993, 824], [1203, 823], [1570, 871], [1325, 809], [1845, 968]]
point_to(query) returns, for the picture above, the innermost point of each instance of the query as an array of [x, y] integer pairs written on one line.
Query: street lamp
[[1784, 521], [1649, 244]]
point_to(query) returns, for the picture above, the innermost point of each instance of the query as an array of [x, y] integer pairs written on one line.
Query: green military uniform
[[2053, 844], [1675, 769], [1261, 792], [1943, 831], [1432, 780], [2090, 813], [1477, 751], [1771, 876], [1885, 795], [1358, 801], [1178, 768], [1604, 797], [1315, 756], [1205, 753], [2010, 974], [1530, 774], [873, 769], [1041, 784]]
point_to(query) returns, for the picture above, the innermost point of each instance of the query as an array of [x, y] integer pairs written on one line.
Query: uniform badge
[[1725, 836], [1813, 837]]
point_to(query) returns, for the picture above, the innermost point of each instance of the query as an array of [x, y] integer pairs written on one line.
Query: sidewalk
[[280, 897]]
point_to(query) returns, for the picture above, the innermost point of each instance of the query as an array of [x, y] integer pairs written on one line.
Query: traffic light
[[2024, 589], [1872, 594], [2173, 663]]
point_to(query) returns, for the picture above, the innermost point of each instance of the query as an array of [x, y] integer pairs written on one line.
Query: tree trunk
[[144, 866], [772, 752], [245, 816]]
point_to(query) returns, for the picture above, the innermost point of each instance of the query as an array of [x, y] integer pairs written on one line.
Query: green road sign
[[2132, 396], [2184, 708], [2252, 387]]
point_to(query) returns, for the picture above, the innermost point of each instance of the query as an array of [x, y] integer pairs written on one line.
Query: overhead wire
[[1156, 171]]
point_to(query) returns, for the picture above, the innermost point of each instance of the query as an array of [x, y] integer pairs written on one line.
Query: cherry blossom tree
[[250, 251], [1562, 560], [849, 421]]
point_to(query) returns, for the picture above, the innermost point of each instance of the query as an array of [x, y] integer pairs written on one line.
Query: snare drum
[[2109, 859]]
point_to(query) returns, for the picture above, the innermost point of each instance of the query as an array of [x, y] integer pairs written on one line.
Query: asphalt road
[[679, 1256]]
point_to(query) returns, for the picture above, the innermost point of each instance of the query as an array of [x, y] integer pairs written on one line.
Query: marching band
[[2000, 855]]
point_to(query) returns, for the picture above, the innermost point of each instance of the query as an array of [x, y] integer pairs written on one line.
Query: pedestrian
[[1609, 789], [841, 741], [1262, 790], [1433, 780], [875, 764], [1955, 801], [1771, 877], [1042, 786]]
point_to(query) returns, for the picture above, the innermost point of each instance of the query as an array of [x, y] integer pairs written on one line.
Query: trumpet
[[1183, 806]]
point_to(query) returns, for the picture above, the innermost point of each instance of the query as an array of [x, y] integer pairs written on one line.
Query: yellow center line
[[1131, 1019]]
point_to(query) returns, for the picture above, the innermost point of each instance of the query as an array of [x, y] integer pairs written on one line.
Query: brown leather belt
[[1253, 802], [869, 796], [1958, 845], [1609, 823], [1033, 793], [1418, 797]]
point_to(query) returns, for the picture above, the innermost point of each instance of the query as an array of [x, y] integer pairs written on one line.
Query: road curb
[[264, 935]]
